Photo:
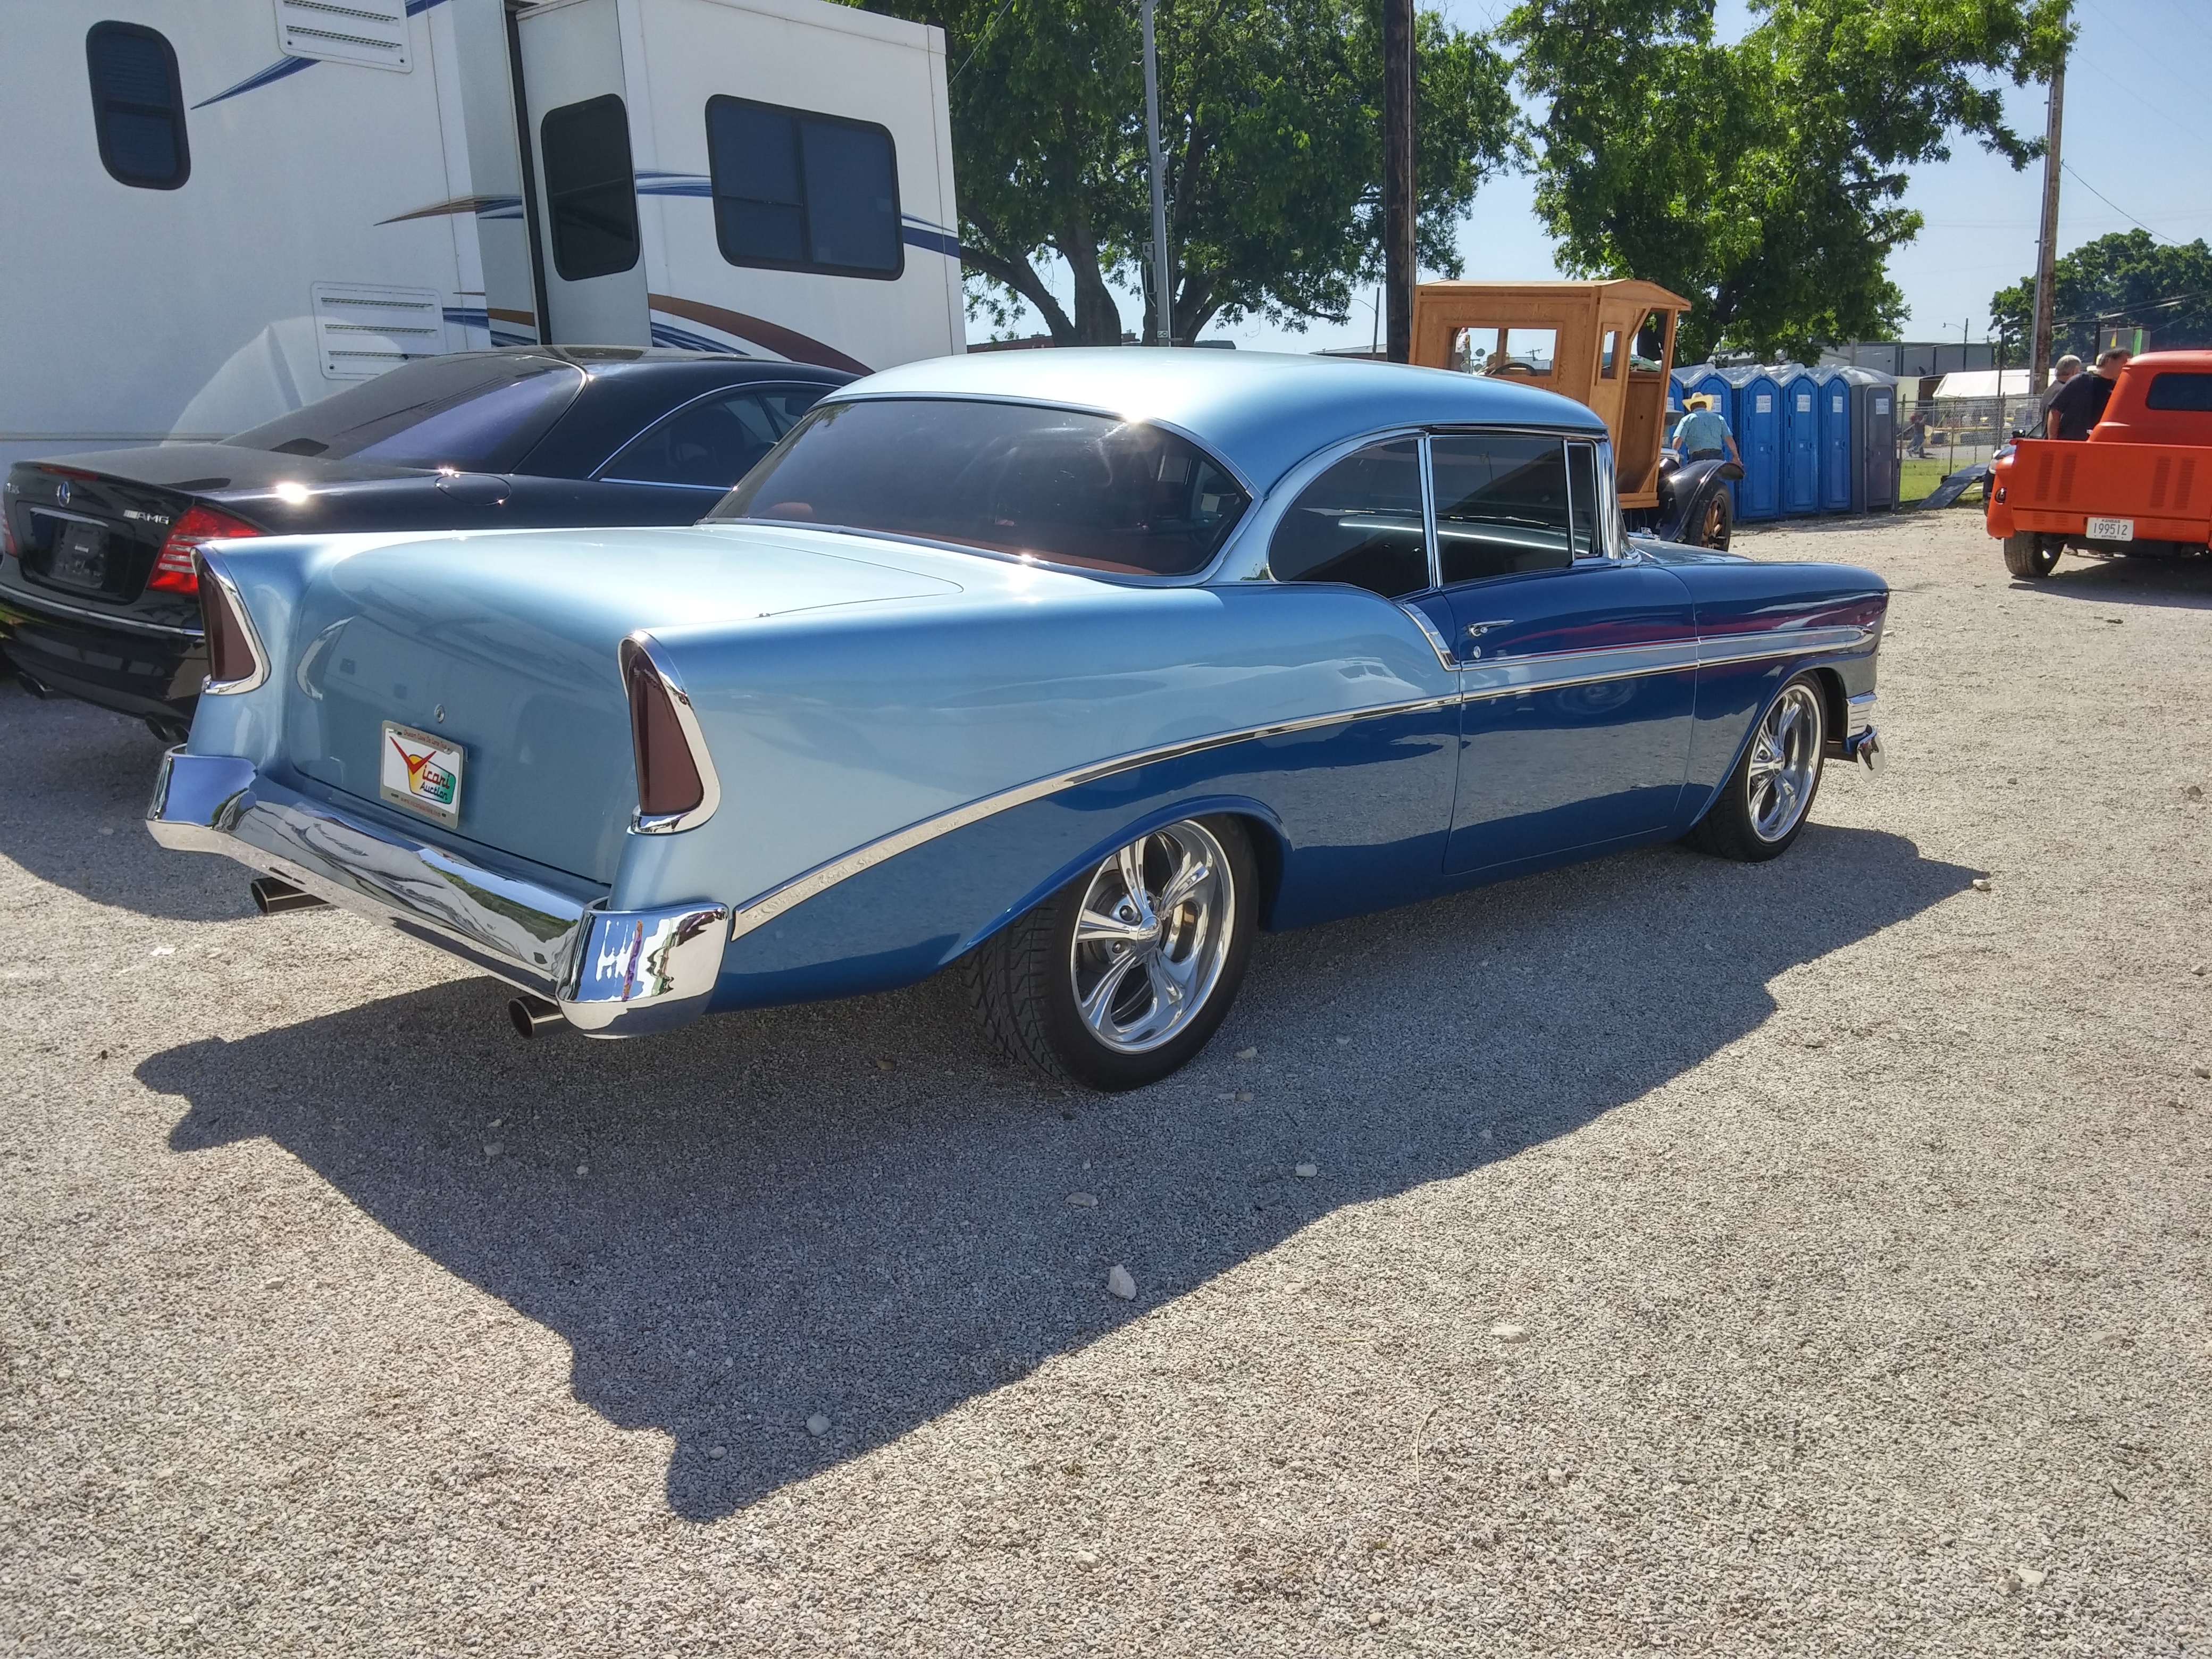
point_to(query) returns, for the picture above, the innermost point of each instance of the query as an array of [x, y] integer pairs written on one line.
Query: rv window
[[138, 108], [589, 190], [800, 191], [479, 413]]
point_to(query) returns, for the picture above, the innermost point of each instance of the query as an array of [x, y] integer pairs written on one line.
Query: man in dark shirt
[[2080, 404]]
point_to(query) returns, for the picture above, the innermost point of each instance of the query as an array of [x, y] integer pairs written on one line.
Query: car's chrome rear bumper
[[613, 973]]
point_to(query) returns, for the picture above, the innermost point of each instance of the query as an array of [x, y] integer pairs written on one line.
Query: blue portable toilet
[[1834, 397], [1873, 462], [1801, 437], [1759, 434]]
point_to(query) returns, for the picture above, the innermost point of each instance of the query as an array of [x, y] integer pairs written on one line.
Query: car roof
[[602, 360], [1263, 412]]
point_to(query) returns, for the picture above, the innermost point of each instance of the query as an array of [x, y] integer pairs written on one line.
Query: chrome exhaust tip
[[273, 898], [531, 1016], [31, 684]]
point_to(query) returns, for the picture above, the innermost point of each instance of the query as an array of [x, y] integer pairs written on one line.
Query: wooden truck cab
[[1607, 344], [2141, 483]]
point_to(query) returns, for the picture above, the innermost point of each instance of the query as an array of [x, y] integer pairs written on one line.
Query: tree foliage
[[1763, 179], [1270, 115], [2126, 278]]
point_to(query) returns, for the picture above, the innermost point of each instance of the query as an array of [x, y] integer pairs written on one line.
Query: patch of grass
[[1917, 480]]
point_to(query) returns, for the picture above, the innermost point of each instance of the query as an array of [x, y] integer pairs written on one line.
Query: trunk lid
[[502, 647]]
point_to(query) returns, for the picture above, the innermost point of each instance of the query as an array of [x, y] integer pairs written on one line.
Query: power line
[[2117, 207]]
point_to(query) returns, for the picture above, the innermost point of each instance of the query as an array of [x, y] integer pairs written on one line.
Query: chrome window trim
[[599, 473], [34, 602], [767, 907], [643, 644], [1429, 539], [211, 570], [1267, 514]]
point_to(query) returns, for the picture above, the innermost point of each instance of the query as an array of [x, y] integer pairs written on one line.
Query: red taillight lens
[[230, 654], [174, 571], [668, 779]]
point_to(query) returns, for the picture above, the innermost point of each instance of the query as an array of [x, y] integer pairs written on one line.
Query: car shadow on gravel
[[851, 1211], [74, 782], [2181, 583]]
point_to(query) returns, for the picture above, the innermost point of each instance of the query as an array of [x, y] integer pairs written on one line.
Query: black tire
[[1021, 982], [2030, 556], [1740, 824], [1717, 522]]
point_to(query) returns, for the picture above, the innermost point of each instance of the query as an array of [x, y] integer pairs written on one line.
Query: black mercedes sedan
[[98, 591]]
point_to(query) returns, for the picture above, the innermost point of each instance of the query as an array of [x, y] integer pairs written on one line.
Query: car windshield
[[1045, 483], [477, 413]]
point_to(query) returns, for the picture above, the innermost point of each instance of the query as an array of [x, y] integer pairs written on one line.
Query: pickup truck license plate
[[2111, 530], [422, 772]]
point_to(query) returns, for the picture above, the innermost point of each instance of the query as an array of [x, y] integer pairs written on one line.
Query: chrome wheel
[[1786, 763], [1151, 937]]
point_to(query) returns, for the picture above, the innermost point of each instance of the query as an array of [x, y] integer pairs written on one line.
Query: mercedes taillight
[[174, 571]]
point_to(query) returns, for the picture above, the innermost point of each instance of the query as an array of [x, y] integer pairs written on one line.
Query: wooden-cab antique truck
[[2140, 485], [1607, 344]]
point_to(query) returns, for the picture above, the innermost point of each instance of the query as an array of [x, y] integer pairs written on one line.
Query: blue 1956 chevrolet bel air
[[1071, 667]]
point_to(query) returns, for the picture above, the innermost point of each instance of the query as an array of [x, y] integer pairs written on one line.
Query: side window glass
[[590, 194], [711, 445], [138, 107], [1582, 499], [1501, 504], [1359, 522], [799, 192]]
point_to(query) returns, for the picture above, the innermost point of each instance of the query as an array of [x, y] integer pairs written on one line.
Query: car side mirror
[[1731, 470]]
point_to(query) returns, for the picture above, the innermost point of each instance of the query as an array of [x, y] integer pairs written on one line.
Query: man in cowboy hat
[[1704, 433]]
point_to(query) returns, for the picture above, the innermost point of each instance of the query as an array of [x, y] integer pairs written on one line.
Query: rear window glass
[[1046, 483], [2189, 394], [476, 414]]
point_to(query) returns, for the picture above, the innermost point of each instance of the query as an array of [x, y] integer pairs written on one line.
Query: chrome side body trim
[[643, 644], [1429, 632], [1551, 671], [768, 905], [37, 604], [211, 570], [613, 973], [1802, 642], [1858, 714]]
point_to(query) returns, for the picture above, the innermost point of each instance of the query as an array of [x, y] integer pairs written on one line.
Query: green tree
[[1763, 180], [1272, 125], [2128, 278]]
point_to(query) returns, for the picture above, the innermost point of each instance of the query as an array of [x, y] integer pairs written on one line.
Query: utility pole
[[2046, 251], [1398, 176], [1163, 301]]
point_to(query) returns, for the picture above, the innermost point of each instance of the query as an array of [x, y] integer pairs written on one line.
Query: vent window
[[590, 194], [138, 107], [371, 32], [799, 191]]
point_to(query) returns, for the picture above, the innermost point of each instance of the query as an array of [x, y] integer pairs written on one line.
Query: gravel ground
[[1802, 1259]]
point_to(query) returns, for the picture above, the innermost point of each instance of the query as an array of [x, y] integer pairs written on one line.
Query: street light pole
[[1398, 177], [1163, 301], [2046, 251]]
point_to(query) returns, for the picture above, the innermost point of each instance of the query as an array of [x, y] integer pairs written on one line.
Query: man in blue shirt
[[1704, 434]]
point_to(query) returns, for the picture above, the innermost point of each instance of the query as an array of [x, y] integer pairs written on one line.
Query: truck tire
[[2030, 556]]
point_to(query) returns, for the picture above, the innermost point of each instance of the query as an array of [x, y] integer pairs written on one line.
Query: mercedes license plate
[[80, 555], [422, 772], [2111, 530]]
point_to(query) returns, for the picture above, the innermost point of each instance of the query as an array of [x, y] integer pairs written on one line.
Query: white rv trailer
[[225, 208]]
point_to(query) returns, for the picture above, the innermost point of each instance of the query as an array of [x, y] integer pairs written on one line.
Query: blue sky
[[2138, 132]]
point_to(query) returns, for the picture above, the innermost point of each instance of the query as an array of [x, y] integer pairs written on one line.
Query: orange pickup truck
[[2142, 484]]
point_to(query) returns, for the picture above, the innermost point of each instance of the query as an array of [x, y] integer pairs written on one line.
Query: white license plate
[[2111, 530], [422, 772]]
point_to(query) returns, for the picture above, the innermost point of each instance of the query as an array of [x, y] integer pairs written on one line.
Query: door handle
[[1475, 631]]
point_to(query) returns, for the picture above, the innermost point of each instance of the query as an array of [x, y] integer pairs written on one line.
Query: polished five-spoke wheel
[[1763, 805], [1123, 975]]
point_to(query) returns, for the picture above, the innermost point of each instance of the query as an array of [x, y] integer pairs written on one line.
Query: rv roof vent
[[345, 31], [362, 332]]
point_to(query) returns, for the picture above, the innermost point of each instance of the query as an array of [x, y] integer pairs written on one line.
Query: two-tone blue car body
[[1112, 654]]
